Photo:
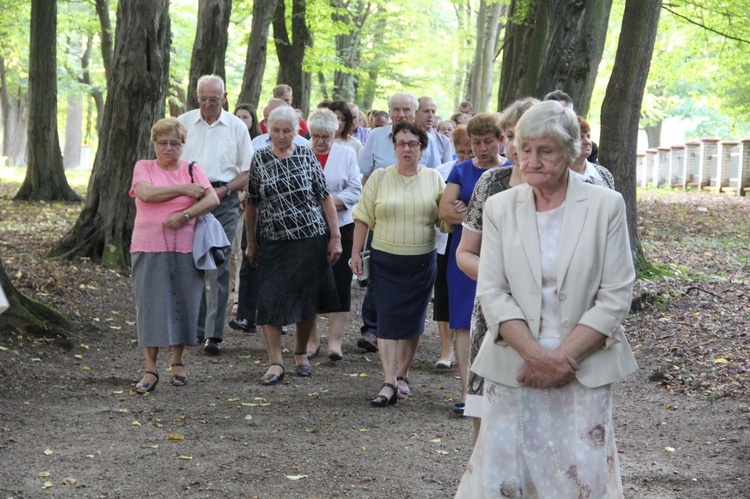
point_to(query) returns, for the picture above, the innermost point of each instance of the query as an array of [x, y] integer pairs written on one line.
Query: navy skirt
[[342, 273], [296, 281], [403, 285]]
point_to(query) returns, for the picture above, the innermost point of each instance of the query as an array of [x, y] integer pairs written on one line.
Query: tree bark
[[621, 109], [653, 133], [45, 176], [558, 44], [257, 50], [463, 18], [353, 14], [102, 11], [14, 107], [26, 310], [210, 45], [135, 100], [488, 28], [291, 52]]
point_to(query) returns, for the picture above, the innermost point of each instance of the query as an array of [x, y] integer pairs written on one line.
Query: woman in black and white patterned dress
[[299, 240]]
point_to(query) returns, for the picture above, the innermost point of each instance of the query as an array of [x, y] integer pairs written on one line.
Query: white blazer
[[342, 176], [595, 276]]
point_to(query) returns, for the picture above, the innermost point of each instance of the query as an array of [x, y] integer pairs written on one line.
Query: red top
[[323, 158]]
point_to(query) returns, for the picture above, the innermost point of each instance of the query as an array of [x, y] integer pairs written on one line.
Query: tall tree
[[489, 26], [135, 100], [291, 51], [26, 311], [45, 175], [621, 110], [210, 45], [351, 15], [257, 49], [14, 109], [553, 44]]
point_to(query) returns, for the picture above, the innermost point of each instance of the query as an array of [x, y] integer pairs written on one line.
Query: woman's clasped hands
[[548, 369]]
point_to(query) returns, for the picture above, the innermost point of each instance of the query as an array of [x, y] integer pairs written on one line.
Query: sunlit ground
[[12, 177]]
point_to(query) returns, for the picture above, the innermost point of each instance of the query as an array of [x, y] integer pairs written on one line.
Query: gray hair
[[511, 114], [286, 113], [323, 120], [404, 95], [551, 119], [208, 79]]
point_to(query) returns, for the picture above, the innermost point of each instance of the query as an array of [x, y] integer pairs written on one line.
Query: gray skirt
[[168, 290]]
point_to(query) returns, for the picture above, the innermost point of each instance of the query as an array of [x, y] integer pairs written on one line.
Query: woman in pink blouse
[[167, 285]]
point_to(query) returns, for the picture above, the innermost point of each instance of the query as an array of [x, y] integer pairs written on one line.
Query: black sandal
[[144, 388], [404, 391], [269, 379], [178, 380], [305, 370], [382, 400]]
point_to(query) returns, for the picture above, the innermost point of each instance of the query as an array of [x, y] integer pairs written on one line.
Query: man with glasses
[[218, 141]]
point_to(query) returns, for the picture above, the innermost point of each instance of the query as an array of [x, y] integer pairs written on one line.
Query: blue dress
[[461, 288]]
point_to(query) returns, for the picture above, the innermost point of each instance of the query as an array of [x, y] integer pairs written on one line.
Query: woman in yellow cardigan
[[400, 205]]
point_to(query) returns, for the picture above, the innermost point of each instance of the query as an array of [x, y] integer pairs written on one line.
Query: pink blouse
[[149, 236]]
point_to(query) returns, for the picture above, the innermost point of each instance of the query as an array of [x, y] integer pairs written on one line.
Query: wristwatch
[[229, 190], [187, 215]]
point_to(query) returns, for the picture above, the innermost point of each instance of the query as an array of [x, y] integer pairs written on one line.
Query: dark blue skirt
[[402, 285]]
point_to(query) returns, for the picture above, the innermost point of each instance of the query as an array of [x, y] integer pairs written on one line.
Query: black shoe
[[242, 325], [369, 342], [382, 400], [302, 370], [145, 388], [459, 408], [284, 330], [212, 347], [269, 379]]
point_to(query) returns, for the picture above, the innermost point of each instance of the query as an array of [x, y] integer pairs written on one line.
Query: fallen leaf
[[123, 410], [364, 375], [186, 458], [364, 430], [174, 436], [265, 404], [117, 392], [721, 361], [86, 368], [4, 349], [47, 485], [180, 418], [669, 449], [441, 451], [70, 482], [155, 446], [296, 477], [115, 327], [78, 356], [135, 423], [248, 417], [48, 451], [436, 440], [44, 474], [235, 399], [83, 345]]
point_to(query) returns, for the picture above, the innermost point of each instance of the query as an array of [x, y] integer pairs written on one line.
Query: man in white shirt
[[264, 140], [219, 142], [439, 148]]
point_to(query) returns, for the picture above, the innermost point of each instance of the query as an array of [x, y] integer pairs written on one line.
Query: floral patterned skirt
[[555, 442]]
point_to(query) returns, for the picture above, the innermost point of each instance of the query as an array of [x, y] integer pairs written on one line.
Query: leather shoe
[[369, 342], [212, 347], [242, 325]]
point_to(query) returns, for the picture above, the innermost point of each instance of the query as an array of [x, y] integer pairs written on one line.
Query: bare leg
[[272, 337], [446, 343], [463, 352], [177, 351], [336, 325], [150, 354], [406, 351], [313, 343], [389, 355], [304, 331]]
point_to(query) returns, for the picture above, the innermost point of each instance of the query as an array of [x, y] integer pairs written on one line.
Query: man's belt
[[218, 184]]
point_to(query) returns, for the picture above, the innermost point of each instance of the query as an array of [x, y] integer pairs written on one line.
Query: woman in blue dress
[[486, 137]]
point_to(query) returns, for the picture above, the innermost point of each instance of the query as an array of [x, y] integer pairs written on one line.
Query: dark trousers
[[369, 311]]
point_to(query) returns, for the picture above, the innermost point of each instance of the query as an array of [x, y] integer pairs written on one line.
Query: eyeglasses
[[164, 143], [213, 100], [315, 137], [411, 144]]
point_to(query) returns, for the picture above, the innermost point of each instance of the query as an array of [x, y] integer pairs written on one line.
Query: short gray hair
[[210, 78], [551, 119], [323, 120], [404, 95], [286, 113]]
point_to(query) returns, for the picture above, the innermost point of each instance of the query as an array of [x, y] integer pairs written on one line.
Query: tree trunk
[[488, 27], [210, 45], [257, 49], [653, 133], [73, 131], [621, 110], [45, 176], [322, 86], [291, 52], [557, 45], [463, 18], [102, 11], [367, 92], [24, 309], [135, 100], [353, 15], [14, 120]]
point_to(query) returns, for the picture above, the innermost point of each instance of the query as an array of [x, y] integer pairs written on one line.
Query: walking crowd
[[504, 220]]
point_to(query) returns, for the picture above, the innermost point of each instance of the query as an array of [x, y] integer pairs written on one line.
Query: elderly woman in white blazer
[[555, 283], [342, 174]]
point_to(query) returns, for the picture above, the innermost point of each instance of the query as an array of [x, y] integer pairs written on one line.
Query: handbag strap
[[190, 171], [380, 181]]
